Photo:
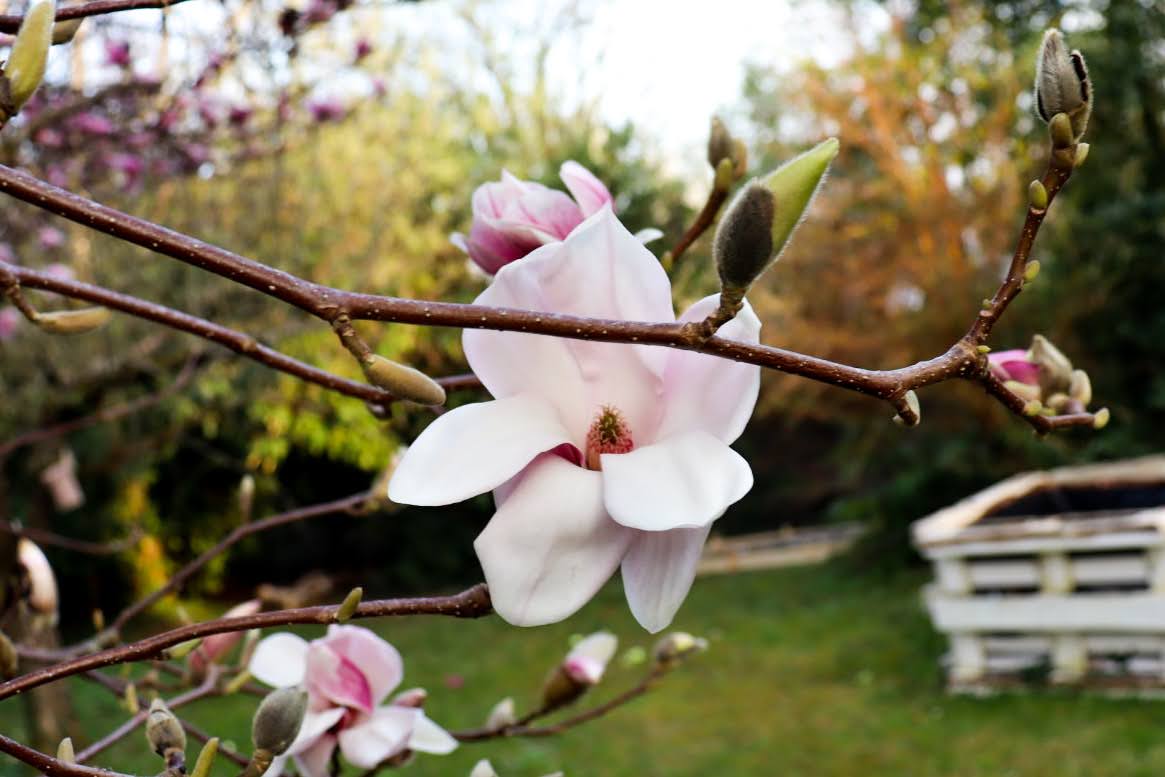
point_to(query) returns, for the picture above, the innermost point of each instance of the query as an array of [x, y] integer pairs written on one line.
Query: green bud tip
[[278, 719], [348, 607], [205, 758], [403, 381], [131, 699], [183, 649], [1032, 407], [983, 349], [1037, 195], [1100, 418], [65, 752], [794, 184], [1031, 270], [26, 62], [1081, 153]]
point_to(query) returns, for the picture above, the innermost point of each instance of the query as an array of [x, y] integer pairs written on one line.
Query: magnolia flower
[[512, 217], [598, 454], [586, 661], [1014, 365], [216, 646], [348, 674]]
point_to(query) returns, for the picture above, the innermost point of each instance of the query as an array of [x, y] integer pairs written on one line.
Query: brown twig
[[49, 766], [472, 603], [45, 537], [11, 22], [704, 219]]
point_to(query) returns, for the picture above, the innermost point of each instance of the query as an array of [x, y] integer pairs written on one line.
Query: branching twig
[[706, 218], [11, 22]]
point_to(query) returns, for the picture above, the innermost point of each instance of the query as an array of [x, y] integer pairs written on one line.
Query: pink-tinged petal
[[1014, 365], [315, 761], [706, 392], [685, 481], [587, 190], [216, 646], [428, 737], [587, 660], [280, 660], [546, 213], [315, 726], [381, 735], [474, 448], [377, 660], [601, 271], [550, 546], [658, 573], [337, 678]]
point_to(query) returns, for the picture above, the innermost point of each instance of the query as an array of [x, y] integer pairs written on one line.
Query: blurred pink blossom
[[10, 319], [329, 109], [117, 53], [512, 217], [215, 647], [1014, 365], [91, 123], [348, 674], [50, 237]]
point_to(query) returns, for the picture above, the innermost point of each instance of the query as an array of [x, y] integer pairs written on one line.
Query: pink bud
[[587, 661], [117, 53], [216, 646], [1014, 365]]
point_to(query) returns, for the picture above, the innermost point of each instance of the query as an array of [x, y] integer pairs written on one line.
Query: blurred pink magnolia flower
[[587, 661], [599, 454], [329, 109], [117, 53], [348, 674], [215, 647], [363, 49], [50, 237], [92, 124], [512, 217], [10, 319], [1014, 365]]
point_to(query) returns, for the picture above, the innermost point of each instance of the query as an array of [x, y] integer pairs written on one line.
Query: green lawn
[[810, 672]]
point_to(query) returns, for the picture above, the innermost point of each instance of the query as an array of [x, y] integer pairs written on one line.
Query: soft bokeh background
[[348, 153]]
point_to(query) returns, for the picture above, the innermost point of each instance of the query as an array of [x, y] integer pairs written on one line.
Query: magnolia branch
[[10, 23], [963, 360], [472, 603]]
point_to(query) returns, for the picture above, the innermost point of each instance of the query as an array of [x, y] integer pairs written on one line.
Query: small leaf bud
[[278, 719], [743, 245], [237, 682], [1032, 407], [182, 649], [1060, 129], [1080, 387], [163, 731], [983, 348], [9, 660], [1100, 418], [64, 32], [1062, 86], [676, 647], [205, 758], [502, 715], [1031, 270], [348, 607], [725, 175], [719, 143], [26, 61], [73, 322], [1037, 195], [403, 381], [1081, 153], [131, 699], [65, 752]]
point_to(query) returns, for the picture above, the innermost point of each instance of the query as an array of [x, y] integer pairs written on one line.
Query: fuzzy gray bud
[[278, 719], [719, 143], [163, 730], [1062, 83], [743, 246]]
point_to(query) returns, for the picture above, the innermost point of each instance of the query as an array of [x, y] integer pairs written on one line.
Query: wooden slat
[[1138, 613]]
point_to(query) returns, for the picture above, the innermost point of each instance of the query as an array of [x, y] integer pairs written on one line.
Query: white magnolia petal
[[483, 768], [599, 647], [428, 737], [658, 573], [684, 481], [382, 735], [648, 235], [473, 449], [278, 764], [316, 760], [280, 660], [550, 546], [707, 392], [314, 726]]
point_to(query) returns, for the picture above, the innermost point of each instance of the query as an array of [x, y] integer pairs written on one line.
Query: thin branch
[[239, 342], [49, 766], [706, 218], [471, 603], [104, 415], [45, 537], [10, 23]]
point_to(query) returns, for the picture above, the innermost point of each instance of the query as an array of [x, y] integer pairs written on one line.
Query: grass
[[811, 672]]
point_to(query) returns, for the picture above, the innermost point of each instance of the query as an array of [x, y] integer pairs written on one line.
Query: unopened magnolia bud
[[64, 32], [1037, 195], [413, 697], [65, 752], [1080, 387], [73, 322], [163, 730], [677, 646], [131, 699], [483, 768], [1062, 84], [9, 660], [1081, 153], [743, 245], [1100, 418], [561, 689], [42, 583], [1055, 368], [205, 758], [278, 719], [502, 715], [793, 185], [403, 381], [719, 143], [26, 62], [1031, 270]]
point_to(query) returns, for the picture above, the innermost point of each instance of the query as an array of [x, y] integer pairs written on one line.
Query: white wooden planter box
[[1078, 596]]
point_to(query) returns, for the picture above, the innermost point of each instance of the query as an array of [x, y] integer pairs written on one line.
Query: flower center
[[609, 433]]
